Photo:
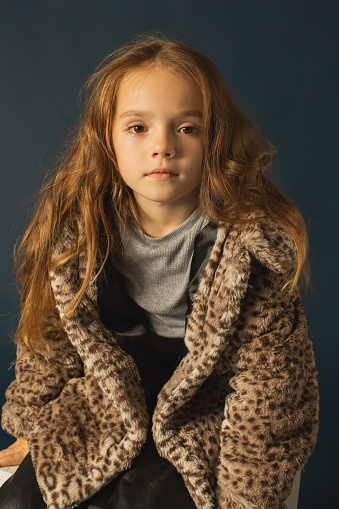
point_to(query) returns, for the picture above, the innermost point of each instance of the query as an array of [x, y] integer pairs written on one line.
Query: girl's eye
[[190, 129], [137, 128]]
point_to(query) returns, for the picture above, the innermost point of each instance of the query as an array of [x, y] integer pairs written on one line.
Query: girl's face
[[157, 137]]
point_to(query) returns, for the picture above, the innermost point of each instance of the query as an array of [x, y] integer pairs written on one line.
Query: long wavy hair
[[87, 183]]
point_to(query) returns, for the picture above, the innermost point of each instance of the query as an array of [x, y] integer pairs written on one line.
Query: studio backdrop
[[280, 59]]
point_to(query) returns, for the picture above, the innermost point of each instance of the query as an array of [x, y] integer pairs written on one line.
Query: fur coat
[[237, 419]]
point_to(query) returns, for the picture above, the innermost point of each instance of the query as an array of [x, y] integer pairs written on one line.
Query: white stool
[[292, 500]]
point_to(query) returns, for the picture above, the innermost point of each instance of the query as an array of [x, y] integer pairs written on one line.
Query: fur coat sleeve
[[239, 416], [37, 382]]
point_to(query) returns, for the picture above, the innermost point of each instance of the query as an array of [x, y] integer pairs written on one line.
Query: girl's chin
[[143, 199]]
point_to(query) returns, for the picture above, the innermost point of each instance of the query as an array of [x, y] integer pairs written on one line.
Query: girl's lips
[[162, 175]]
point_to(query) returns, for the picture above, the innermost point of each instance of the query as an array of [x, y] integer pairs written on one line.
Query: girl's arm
[[37, 382], [14, 454], [271, 418]]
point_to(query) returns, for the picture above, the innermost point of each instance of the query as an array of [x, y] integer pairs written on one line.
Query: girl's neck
[[158, 218]]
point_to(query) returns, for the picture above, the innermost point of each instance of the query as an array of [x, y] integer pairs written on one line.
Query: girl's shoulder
[[266, 240]]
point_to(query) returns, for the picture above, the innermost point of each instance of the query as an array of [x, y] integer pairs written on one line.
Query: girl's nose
[[163, 144]]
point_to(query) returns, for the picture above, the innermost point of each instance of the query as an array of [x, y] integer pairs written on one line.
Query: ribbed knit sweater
[[156, 273]]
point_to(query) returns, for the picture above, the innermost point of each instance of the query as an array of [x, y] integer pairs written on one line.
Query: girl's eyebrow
[[188, 113]]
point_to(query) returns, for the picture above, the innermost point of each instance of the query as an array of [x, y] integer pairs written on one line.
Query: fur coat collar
[[238, 417]]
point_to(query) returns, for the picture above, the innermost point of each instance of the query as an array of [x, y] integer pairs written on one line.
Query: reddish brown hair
[[234, 182]]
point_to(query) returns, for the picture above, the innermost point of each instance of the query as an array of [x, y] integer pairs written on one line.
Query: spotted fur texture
[[239, 416]]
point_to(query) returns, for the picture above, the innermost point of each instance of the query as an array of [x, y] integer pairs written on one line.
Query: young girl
[[162, 351]]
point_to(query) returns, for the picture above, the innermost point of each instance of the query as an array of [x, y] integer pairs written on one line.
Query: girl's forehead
[[139, 84]]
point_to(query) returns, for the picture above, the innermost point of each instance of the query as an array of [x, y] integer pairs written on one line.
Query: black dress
[[152, 482]]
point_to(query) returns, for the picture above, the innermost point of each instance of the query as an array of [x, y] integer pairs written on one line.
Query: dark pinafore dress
[[152, 482]]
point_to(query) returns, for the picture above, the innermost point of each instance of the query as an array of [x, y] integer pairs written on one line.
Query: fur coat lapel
[[217, 306]]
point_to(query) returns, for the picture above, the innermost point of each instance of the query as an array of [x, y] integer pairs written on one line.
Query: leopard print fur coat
[[237, 419]]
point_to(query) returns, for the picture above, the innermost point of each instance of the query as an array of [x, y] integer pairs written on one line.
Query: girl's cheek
[[132, 139]]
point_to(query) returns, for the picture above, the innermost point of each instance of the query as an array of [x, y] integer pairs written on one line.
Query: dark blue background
[[280, 59]]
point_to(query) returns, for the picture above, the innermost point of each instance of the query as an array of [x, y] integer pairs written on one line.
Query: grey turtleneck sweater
[[156, 273]]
